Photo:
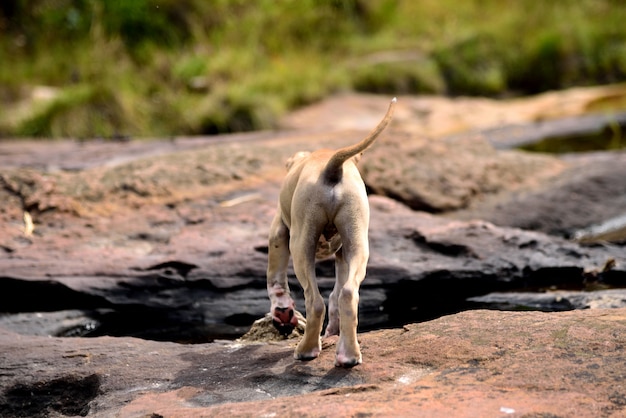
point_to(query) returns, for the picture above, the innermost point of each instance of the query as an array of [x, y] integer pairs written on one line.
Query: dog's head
[[295, 158]]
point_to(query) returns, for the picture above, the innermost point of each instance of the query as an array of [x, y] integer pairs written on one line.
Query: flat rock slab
[[478, 363], [171, 235]]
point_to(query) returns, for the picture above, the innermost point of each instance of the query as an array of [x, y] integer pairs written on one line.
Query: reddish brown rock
[[172, 234], [478, 363], [167, 239], [589, 191], [450, 174]]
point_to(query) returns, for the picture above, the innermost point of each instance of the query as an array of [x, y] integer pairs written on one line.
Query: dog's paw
[[308, 348], [307, 355], [284, 319], [347, 361], [348, 355]]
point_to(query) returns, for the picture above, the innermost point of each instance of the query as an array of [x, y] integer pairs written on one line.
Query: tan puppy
[[322, 210]]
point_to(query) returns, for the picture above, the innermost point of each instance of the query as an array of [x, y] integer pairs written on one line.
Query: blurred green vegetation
[[176, 67]]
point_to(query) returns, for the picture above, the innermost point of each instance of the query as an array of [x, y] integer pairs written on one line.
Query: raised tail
[[334, 168]]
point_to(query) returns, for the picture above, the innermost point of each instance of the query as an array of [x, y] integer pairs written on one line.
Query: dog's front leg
[[282, 306]]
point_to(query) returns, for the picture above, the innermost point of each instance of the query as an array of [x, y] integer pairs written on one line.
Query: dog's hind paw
[[307, 355], [347, 362], [347, 355]]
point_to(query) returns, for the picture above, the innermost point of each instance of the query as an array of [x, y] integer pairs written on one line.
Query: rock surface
[[452, 173], [166, 240], [477, 363], [207, 279], [590, 190]]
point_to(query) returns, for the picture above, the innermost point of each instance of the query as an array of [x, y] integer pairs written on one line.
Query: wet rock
[[484, 363], [611, 230], [68, 396], [556, 130], [62, 323], [430, 265]]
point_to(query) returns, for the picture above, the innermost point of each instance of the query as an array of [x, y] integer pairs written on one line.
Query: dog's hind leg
[[282, 306], [355, 252], [303, 244]]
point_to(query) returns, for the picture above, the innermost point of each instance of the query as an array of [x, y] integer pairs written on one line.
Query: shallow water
[[610, 137]]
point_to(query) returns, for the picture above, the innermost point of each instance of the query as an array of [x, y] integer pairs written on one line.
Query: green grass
[[170, 67]]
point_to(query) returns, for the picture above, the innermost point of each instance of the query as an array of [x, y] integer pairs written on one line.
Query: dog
[[322, 210]]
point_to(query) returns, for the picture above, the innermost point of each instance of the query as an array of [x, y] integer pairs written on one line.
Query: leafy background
[[108, 68]]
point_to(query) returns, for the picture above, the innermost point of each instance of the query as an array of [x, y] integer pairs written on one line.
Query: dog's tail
[[334, 168]]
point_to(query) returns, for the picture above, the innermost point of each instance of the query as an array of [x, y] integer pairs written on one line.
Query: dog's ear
[[298, 156]]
